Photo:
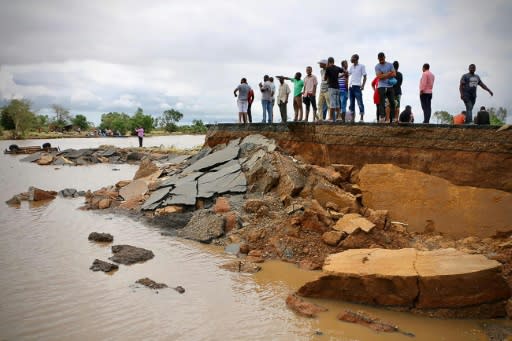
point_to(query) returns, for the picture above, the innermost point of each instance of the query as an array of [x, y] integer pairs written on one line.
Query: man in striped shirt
[[343, 82]]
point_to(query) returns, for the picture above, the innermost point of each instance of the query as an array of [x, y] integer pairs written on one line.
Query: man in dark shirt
[[482, 117], [467, 88], [398, 89], [332, 72]]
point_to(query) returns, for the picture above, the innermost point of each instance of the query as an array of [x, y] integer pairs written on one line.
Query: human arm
[[235, 91], [364, 82], [461, 87], [250, 96], [423, 83], [486, 88]]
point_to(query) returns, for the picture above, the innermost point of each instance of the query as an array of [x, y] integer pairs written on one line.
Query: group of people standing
[[341, 84]]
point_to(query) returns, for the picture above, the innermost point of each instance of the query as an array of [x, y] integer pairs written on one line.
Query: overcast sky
[[116, 55]]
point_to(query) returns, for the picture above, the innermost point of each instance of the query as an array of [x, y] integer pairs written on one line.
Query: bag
[[392, 81]]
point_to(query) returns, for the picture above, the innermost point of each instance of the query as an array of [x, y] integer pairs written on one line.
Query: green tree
[[6, 120], [116, 122], [23, 118], [62, 116], [443, 117], [81, 122], [40, 122], [139, 119], [498, 117], [169, 119]]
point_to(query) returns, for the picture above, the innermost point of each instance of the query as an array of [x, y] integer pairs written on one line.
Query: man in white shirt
[[309, 94], [356, 87], [282, 99]]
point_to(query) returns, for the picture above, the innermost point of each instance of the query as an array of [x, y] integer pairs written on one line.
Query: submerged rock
[[364, 319], [151, 284], [101, 237], [37, 194], [99, 265], [302, 307], [127, 254], [241, 266]]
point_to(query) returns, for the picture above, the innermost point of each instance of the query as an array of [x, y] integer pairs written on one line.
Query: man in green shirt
[[298, 86]]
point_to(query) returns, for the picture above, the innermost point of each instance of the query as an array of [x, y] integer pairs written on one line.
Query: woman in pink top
[[140, 134], [426, 85]]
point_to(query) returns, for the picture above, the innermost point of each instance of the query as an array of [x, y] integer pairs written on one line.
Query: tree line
[[497, 116], [17, 116]]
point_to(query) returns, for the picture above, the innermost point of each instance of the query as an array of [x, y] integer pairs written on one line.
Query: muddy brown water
[[49, 293]]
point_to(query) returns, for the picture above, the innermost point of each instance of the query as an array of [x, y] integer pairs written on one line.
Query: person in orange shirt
[[460, 118]]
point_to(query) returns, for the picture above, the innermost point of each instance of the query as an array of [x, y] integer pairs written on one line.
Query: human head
[[381, 57], [472, 68], [271, 79], [396, 64], [298, 75], [482, 108], [309, 69], [408, 108], [463, 112], [354, 59], [330, 61], [344, 64], [322, 63], [265, 78], [281, 80], [426, 66], [243, 80]]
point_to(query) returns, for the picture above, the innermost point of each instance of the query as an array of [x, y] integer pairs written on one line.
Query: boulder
[[147, 282], [292, 178], [214, 159], [444, 278], [426, 202], [101, 237], [353, 221], [345, 171], [328, 173], [36, 194], [146, 168], [302, 307], [221, 205], [231, 221], [263, 176], [332, 238], [68, 193], [365, 319], [104, 203], [99, 265], [133, 190], [227, 178], [169, 210], [310, 265], [45, 160], [241, 266], [127, 254], [325, 193], [203, 227], [254, 205], [122, 183]]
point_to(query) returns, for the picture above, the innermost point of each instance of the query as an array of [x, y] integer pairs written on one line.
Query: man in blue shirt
[[384, 72]]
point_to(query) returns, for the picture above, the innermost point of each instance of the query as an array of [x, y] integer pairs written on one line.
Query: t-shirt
[[459, 119], [384, 68], [342, 83], [273, 88], [469, 83], [323, 85], [310, 82], [298, 85], [266, 91], [357, 72], [482, 117], [332, 73], [284, 91], [243, 91], [398, 86]]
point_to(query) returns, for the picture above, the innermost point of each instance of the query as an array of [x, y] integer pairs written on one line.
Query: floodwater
[[49, 293]]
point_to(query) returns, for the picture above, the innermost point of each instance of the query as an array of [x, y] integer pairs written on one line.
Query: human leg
[[423, 101], [344, 98], [382, 103], [307, 102], [390, 95], [352, 97], [428, 106], [264, 108], [470, 103], [397, 106], [270, 110], [358, 94], [249, 115], [140, 142]]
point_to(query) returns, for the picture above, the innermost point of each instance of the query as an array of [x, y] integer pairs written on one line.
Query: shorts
[[397, 101], [334, 98], [242, 105]]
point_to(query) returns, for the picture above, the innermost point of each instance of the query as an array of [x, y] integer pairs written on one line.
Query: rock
[[244, 248], [325, 192], [104, 203], [509, 308], [233, 249], [292, 178], [228, 179], [345, 171], [32, 157], [365, 319], [122, 183], [328, 173], [146, 168], [99, 265], [221, 205], [101, 237], [203, 227], [180, 289], [257, 140], [185, 189], [151, 284], [45, 160], [309, 265], [14, 201], [294, 208], [378, 217], [169, 210], [132, 190], [302, 307], [201, 154], [332, 238], [155, 199], [352, 222], [68, 193], [254, 205], [217, 158], [444, 278], [36, 194], [241, 266], [135, 156], [428, 202], [231, 221], [263, 176], [127, 254]]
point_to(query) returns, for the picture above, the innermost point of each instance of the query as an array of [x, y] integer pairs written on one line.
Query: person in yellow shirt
[[460, 118]]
